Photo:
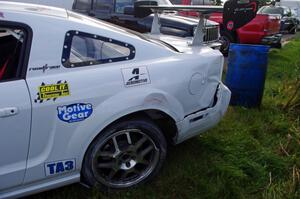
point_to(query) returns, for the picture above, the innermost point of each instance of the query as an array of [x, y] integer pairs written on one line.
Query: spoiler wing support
[[199, 34], [155, 29]]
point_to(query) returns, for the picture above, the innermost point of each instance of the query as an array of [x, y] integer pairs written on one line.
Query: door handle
[[10, 111]]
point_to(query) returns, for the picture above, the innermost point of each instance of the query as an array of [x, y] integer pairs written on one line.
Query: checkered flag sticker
[[39, 100]]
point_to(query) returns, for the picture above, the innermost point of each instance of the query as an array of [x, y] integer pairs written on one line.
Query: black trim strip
[[68, 43]]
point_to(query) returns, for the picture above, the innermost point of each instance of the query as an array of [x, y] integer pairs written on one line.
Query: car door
[[15, 106]]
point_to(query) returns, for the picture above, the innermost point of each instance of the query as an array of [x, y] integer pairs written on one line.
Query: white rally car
[[85, 101]]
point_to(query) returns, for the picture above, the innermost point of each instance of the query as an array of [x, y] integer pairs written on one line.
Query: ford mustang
[[86, 101]]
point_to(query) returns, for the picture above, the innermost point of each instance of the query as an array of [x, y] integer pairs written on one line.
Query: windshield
[[271, 10]]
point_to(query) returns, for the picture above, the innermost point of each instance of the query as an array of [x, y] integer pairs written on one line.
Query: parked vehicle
[[84, 100], [294, 5], [263, 29], [121, 12], [288, 22]]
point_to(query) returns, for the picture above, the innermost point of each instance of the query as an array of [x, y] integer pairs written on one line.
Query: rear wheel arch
[[162, 120]]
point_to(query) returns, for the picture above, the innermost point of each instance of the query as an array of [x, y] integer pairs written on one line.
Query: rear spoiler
[[202, 10], [236, 13]]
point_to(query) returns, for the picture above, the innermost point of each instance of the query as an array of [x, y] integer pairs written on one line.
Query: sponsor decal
[[52, 168], [135, 76], [230, 25], [74, 112], [44, 68], [52, 91]]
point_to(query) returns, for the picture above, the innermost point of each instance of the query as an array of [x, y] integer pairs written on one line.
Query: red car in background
[[263, 29]]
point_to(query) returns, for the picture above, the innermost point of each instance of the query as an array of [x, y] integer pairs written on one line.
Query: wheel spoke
[[140, 142], [106, 165], [116, 144], [128, 138], [143, 161], [105, 154], [146, 150], [111, 174]]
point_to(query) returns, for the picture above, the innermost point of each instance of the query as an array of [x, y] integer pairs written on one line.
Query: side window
[[121, 4], [82, 5], [103, 5], [83, 49], [11, 45]]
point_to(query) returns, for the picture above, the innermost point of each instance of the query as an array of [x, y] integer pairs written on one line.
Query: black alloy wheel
[[125, 155]]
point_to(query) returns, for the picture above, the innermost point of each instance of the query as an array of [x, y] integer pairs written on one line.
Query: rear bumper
[[201, 121], [272, 40]]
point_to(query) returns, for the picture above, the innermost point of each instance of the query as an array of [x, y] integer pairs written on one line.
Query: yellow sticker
[[53, 91]]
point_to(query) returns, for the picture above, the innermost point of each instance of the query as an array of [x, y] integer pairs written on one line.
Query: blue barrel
[[246, 74]]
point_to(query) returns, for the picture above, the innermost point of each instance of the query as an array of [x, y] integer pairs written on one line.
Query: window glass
[[11, 42], [85, 49], [105, 5], [271, 10], [83, 4], [110, 50], [121, 4]]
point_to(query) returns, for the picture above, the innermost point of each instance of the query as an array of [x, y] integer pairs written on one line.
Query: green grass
[[252, 153]]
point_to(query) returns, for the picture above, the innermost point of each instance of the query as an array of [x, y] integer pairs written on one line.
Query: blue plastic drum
[[246, 74]]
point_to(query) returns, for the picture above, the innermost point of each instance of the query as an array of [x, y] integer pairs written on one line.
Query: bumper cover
[[272, 39], [203, 120]]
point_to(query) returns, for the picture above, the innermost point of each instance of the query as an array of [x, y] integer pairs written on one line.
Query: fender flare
[[152, 100]]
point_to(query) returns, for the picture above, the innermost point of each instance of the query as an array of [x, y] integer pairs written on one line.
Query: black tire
[[134, 161], [226, 39], [277, 45]]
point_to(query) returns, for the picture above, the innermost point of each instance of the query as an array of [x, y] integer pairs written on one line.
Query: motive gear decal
[[52, 91], [74, 112], [135, 76]]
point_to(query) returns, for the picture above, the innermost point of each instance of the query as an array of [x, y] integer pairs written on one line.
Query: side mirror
[[129, 10], [143, 12]]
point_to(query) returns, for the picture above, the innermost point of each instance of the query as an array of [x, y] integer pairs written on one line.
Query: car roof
[[33, 9]]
